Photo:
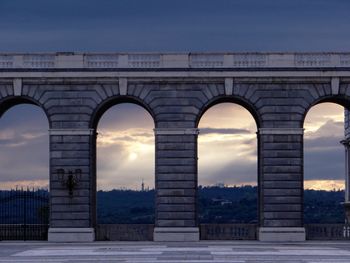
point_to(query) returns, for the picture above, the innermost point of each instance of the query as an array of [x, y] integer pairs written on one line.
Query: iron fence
[[24, 214], [327, 231]]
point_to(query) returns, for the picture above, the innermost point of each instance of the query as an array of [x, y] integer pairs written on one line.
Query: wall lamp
[[70, 180]]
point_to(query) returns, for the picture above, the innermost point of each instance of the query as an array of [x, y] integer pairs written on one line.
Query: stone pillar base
[[176, 234], [71, 235], [282, 234]]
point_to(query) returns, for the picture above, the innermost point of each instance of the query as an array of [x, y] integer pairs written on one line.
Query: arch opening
[[324, 167], [231, 100], [336, 101], [227, 166], [24, 176], [10, 102], [113, 102], [25, 142], [125, 166]]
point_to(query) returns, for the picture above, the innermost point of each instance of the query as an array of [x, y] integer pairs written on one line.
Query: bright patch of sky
[[228, 153], [125, 148]]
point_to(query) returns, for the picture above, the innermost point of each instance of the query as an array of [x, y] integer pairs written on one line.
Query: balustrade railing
[[6, 61], [38, 61], [228, 231], [144, 60], [174, 60], [206, 60], [327, 231], [101, 61]]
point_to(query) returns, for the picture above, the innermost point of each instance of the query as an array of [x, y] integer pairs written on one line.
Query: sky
[[166, 26]]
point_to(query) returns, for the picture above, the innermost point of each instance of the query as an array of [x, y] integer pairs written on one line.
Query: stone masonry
[[74, 90]]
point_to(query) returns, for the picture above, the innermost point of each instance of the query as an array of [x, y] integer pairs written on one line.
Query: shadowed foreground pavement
[[205, 251]]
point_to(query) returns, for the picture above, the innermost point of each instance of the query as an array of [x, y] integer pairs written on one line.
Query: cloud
[[223, 131], [182, 25], [24, 142], [328, 129], [125, 152], [17, 138], [319, 114], [324, 156]]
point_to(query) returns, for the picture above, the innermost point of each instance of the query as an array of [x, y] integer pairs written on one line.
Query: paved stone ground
[[230, 251]]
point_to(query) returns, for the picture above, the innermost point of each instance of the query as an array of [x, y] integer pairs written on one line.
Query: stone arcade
[[278, 89]]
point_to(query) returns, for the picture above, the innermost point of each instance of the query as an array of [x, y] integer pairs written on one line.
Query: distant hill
[[125, 206], [216, 205]]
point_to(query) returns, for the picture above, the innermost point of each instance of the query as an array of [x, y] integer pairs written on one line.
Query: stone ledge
[[71, 132], [176, 131], [282, 234], [176, 234], [71, 235]]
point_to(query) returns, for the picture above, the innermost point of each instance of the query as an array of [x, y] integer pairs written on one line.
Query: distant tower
[[142, 186]]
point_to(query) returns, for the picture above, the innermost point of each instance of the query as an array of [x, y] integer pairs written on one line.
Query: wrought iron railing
[[24, 214]]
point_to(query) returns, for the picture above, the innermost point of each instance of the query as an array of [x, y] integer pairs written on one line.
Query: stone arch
[[96, 116], [248, 106], [8, 103], [341, 100], [112, 101], [11, 101], [230, 99], [324, 165]]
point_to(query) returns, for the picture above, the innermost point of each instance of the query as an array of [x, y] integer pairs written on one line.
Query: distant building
[[220, 184]]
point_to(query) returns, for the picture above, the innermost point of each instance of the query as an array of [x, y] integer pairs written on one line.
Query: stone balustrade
[[174, 60]]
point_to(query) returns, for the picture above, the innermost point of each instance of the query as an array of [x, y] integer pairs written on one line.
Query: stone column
[[72, 185], [346, 144], [176, 185], [280, 155]]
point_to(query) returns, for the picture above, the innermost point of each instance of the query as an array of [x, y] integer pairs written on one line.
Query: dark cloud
[[107, 157], [25, 161], [326, 164], [324, 157], [182, 25]]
